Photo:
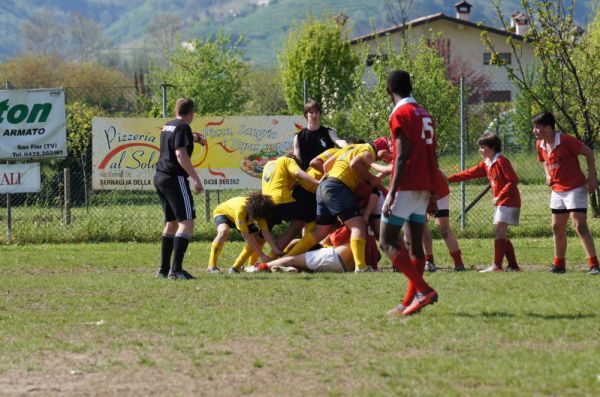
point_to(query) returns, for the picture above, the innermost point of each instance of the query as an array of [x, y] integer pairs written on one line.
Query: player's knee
[[582, 228]]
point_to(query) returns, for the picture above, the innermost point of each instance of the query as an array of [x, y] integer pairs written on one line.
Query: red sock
[[592, 261], [410, 287], [402, 263], [511, 258], [429, 258], [499, 248], [456, 256], [559, 263]]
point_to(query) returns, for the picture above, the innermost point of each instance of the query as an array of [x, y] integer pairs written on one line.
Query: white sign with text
[[20, 178]]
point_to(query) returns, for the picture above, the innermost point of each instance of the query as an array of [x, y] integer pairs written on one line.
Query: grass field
[[91, 319]]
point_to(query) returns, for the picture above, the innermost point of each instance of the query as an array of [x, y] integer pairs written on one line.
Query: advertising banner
[[32, 124], [125, 150], [20, 178]]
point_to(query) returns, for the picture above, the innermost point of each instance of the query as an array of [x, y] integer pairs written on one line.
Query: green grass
[[91, 319]]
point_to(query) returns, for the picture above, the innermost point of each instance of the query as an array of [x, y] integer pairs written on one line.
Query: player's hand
[[198, 185], [548, 180], [198, 137], [495, 200], [265, 258], [387, 204], [277, 253], [592, 183]]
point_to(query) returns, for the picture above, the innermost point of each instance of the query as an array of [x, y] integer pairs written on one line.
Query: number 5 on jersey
[[427, 132]]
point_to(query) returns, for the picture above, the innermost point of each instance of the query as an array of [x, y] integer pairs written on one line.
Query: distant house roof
[[433, 18]]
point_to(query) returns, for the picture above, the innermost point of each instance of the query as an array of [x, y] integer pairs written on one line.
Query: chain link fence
[[68, 210]]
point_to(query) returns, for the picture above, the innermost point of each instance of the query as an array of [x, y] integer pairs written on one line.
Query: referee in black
[[171, 182]]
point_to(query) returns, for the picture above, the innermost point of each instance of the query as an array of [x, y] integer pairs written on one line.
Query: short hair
[[184, 106], [490, 140], [355, 140], [544, 118], [259, 206], [312, 105], [399, 83]]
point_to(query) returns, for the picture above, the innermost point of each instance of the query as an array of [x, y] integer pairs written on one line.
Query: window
[[505, 57]]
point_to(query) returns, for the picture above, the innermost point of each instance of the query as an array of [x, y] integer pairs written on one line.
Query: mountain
[[124, 23]]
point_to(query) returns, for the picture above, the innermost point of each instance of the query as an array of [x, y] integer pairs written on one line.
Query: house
[[460, 40]]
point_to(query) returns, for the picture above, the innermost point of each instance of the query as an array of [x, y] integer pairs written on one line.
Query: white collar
[[557, 135], [403, 101], [488, 162]]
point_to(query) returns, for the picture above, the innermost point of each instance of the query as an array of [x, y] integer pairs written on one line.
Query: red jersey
[[442, 189], [502, 177], [416, 124], [562, 162]]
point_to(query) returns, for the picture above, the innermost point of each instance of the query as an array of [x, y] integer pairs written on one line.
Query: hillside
[[124, 24]]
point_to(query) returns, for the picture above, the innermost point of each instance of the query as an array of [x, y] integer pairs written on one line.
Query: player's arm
[[336, 139], [475, 172], [251, 240], [268, 236], [384, 170], [592, 181], [402, 146], [371, 204], [199, 138], [186, 163], [328, 164], [296, 148], [361, 164], [305, 177]]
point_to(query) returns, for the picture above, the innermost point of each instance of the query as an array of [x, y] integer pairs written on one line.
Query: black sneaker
[[556, 269], [182, 275], [594, 270], [460, 268], [430, 267]]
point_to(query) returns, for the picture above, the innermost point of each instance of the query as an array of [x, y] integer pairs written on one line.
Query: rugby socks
[[410, 287], [401, 261], [215, 252], [166, 250], [306, 243], [499, 250], [242, 257], [511, 258], [592, 261], [180, 244], [457, 258], [357, 245], [309, 227], [558, 263], [429, 258]]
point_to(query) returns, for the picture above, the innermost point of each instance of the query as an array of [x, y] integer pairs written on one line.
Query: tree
[[567, 77], [317, 52], [43, 34], [211, 72], [266, 93], [86, 37], [164, 31], [431, 87]]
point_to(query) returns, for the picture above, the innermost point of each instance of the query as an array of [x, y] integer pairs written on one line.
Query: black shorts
[[291, 211], [307, 203], [219, 219], [175, 197]]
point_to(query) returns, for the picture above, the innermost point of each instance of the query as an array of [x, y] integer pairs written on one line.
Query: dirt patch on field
[[247, 366]]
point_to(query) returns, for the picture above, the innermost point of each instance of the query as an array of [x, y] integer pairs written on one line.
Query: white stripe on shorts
[[186, 197]]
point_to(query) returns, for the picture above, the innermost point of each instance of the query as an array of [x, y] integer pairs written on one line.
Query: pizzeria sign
[[125, 150]]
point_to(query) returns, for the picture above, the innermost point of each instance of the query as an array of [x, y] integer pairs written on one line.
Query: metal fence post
[[463, 150], [67, 196], [8, 86]]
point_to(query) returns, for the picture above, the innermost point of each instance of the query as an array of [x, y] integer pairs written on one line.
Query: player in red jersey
[[559, 152], [507, 198], [411, 190]]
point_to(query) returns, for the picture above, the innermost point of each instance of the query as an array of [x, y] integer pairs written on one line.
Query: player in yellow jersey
[[278, 180], [248, 215], [336, 199]]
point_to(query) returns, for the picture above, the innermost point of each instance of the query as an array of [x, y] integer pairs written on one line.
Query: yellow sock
[[310, 227], [357, 245], [215, 251], [254, 257], [307, 242], [242, 257]]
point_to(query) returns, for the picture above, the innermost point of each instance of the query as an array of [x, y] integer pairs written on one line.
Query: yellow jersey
[[311, 187], [278, 179], [341, 169], [235, 210]]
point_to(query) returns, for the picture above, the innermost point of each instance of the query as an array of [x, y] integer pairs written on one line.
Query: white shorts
[[508, 215], [574, 199], [324, 260], [409, 205]]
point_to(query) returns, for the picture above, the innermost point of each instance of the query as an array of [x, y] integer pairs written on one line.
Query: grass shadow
[[486, 315], [578, 316]]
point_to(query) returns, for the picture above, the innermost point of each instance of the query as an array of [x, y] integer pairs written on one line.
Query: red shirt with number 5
[[416, 124]]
